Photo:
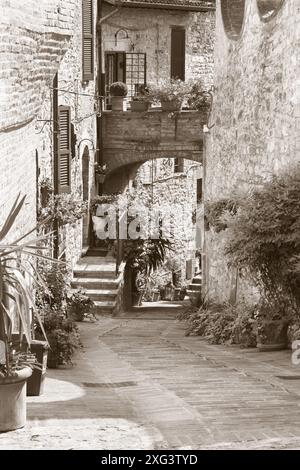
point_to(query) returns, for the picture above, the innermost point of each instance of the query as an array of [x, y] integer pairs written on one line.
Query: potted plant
[[16, 302], [118, 92], [141, 100], [170, 94], [198, 98], [272, 325], [100, 172], [79, 305], [63, 337]]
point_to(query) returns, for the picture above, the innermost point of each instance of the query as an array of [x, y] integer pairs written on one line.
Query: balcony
[[133, 137]]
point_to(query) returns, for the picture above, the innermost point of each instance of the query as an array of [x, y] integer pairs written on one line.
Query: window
[[87, 40], [64, 150], [178, 53], [233, 13], [178, 165], [199, 190]]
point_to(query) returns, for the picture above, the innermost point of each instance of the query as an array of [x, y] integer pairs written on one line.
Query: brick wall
[[81, 98], [150, 31], [131, 137], [256, 114], [33, 38]]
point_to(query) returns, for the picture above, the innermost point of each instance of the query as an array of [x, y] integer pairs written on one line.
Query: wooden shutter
[[87, 40], [178, 53], [64, 150], [178, 165]]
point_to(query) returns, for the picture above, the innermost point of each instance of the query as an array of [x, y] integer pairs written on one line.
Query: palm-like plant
[[16, 297]]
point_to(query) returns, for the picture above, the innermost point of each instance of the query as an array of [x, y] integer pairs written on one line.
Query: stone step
[[194, 287], [93, 283], [101, 294], [101, 307], [89, 274], [96, 252]]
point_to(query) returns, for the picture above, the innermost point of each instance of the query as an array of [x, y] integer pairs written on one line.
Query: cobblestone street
[[139, 383]]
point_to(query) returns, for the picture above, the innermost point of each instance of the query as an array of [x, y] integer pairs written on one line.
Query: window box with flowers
[[170, 94]]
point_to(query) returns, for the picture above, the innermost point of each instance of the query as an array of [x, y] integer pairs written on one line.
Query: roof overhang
[[161, 5]]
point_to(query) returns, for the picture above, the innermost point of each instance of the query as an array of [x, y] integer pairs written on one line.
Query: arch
[[268, 8], [233, 14]]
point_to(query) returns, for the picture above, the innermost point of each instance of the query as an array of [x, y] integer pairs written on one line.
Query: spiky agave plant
[[16, 292]]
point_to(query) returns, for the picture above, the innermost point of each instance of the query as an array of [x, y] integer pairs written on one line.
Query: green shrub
[[223, 323], [263, 239]]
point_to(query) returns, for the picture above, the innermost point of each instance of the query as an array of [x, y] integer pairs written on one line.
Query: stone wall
[[256, 115], [130, 137], [81, 98], [149, 32], [175, 191], [33, 38]]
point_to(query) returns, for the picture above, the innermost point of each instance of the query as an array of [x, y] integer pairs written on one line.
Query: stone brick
[[254, 115]]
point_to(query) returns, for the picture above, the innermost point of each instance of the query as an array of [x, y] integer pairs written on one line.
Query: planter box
[[171, 106], [139, 106], [35, 383], [272, 335], [118, 103], [13, 400]]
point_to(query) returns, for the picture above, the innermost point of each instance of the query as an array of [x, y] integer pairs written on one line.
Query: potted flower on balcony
[[118, 92], [100, 172], [16, 302], [170, 94], [141, 100]]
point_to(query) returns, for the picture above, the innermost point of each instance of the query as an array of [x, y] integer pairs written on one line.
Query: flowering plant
[[100, 169], [173, 90]]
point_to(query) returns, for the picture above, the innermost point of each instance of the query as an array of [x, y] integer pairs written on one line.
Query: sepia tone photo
[[150, 226]]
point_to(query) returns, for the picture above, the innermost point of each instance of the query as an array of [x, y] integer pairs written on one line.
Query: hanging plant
[[65, 208]]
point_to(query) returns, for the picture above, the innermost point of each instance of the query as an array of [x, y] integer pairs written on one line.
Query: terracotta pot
[[13, 400], [139, 106], [171, 106], [118, 103], [100, 177], [272, 335]]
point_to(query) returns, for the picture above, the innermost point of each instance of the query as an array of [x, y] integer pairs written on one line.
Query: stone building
[[145, 42], [48, 107], [255, 116]]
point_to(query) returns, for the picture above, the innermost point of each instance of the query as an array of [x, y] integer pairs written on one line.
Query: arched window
[[268, 8], [233, 12]]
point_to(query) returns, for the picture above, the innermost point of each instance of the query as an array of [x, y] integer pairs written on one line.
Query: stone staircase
[[95, 273], [194, 289]]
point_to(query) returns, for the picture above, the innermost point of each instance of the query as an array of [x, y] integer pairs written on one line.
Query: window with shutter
[[64, 150], [178, 53], [87, 40]]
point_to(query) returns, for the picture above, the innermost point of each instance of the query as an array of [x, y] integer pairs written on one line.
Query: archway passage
[[268, 8], [233, 13], [134, 138]]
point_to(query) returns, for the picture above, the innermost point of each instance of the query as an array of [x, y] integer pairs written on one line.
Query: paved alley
[[139, 383]]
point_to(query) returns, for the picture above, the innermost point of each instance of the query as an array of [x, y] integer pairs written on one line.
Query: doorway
[[85, 196]]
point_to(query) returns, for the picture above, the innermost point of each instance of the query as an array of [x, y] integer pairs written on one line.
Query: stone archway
[[233, 14], [85, 195]]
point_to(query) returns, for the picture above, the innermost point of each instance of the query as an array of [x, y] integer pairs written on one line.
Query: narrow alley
[[140, 383]]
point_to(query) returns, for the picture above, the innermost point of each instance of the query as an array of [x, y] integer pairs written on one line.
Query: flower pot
[[13, 400], [162, 292], [100, 177], [35, 383], [139, 106], [171, 106], [177, 293], [272, 335], [155, 296], [118, 103]]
